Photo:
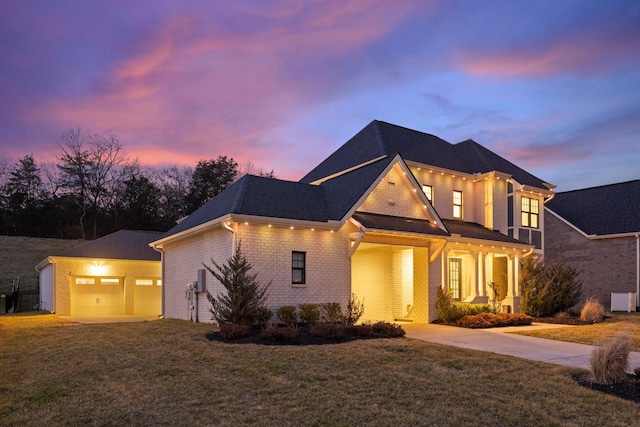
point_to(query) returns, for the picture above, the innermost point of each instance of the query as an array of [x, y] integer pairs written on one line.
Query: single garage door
[[147, 296], [97, 296]]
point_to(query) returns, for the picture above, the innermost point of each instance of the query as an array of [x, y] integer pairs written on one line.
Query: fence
[[27, 300]]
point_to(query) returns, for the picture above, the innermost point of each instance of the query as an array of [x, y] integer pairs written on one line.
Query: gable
[[396, 195]]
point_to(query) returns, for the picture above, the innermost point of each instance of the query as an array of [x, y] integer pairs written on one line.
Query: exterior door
[[455, 278]]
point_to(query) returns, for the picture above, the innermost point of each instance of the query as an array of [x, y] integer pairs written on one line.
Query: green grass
[[20, 255], [596, 333], [166, 372]]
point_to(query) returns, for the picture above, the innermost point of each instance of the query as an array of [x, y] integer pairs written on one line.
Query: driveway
[[109, 319], [498, 340]]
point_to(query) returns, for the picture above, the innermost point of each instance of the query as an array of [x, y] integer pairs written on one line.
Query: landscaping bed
[[318, 335], [628, 390]]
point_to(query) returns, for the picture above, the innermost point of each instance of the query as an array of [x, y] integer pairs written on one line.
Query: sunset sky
[[553, 86]]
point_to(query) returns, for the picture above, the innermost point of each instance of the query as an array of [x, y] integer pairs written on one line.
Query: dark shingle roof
[[123, 244], [473, 230], [381, 138], [394, 223], [608, 209]]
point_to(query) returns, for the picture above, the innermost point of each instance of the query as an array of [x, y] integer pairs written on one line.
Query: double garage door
[[97, 296]]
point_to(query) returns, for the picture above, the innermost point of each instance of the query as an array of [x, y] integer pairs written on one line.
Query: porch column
[[475, 289], [516, 275], [482, 273], [445, 270], [510, 287], [423, 299]]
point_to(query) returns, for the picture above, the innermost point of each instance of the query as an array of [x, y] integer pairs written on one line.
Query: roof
[[472, 230], [394, 223], [274, 198], [603, 210], [123, 244], [380, 138]]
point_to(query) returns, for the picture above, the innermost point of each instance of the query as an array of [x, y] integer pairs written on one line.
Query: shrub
[[276, 333], [287, 314], [233, 331], [245, 295], [263, 317], [548, 289], [592, 311], [354, 310], [447, 311], [387, 329], [331, 312], [495, 302], [609, 362], [327, 330], [490, 320], [364, 330], [466, 309], [563, 316], [309, 313]]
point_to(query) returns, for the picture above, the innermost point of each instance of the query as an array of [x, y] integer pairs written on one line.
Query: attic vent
[[391, 193]]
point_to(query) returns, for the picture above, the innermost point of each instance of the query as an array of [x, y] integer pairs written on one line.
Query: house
[[117, 274], [391, 216], [597, 230]]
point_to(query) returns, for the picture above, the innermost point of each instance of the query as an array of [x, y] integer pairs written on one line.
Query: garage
[[96, 296]]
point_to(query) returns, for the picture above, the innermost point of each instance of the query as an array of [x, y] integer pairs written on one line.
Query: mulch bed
[[303, 338], [628, 390]]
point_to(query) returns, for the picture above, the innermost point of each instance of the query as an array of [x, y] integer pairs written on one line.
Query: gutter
[[637, 270], [161, 251], [226, 224]]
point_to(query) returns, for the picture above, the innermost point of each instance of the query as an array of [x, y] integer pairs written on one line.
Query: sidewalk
[[498, 340]]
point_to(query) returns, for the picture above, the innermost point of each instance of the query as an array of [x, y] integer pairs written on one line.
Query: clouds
[[283, 83]]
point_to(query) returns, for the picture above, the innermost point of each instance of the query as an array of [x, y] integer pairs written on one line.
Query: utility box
[[623, 302], [3, 304], [201, 284]]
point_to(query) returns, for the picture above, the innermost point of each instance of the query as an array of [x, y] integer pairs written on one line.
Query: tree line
[[94, 189]]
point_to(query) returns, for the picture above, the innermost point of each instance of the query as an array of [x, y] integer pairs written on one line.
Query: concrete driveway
[[500, 341], [109, 319]]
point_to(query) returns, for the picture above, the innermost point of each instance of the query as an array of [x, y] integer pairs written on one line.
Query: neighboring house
[[115, 275], [597, 230], [391, 216]]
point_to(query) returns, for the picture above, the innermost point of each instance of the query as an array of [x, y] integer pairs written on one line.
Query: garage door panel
[[97, 296]]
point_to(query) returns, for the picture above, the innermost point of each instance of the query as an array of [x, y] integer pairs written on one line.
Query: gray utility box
[[623, 302]]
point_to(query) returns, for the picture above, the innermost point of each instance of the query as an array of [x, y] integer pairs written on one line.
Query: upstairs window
[[428, 191], [457, 204], [530, 212], [298, 267]]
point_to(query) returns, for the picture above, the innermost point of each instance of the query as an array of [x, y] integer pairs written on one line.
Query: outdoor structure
[[597, 230], [118, 274], [391, 216]]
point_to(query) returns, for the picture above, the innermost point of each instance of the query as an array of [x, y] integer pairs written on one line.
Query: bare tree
[[248, 168], [89, 170]]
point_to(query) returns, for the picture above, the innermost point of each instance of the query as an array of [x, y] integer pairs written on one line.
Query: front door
[[455, 278]]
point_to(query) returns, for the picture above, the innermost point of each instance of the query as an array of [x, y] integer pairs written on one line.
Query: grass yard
[[53, 372], [20, 255], [595, 334]]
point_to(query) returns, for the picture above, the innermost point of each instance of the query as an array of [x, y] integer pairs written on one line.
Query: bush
[[490, 320], [609, 362], [233, 331], [548, 289], [245, 295], [364, 330], [592, 311], [327, 330], [354, 310], [276, 333], [387, 329], [331, 312], [447, 311], [263, 316], [287, 314], [495, 302], [309, 313]]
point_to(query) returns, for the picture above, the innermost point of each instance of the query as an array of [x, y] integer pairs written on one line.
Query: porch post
[[516, 275], [482, 265], [475, 289], [509, 277]]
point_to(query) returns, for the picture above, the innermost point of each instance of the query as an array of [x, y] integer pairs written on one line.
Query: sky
[[552, 86]]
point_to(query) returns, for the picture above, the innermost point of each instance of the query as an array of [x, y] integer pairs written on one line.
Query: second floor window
[[530, 212], [428, 191], [457, 204]]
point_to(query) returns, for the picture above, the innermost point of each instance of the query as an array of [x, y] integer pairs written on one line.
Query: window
[[510, 211], [298, 268], [85, 281], [530, 212], [144, 282], [457, 204], [428, 191], [105, 281]]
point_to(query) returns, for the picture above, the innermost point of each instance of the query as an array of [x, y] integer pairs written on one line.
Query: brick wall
[[605, 265]]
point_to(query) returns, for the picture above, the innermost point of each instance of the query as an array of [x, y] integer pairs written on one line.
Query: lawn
[[595, 334], [53, 372]]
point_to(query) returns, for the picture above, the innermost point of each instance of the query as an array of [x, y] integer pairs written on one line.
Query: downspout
[[226, 225], [637, 270], [162, 276]]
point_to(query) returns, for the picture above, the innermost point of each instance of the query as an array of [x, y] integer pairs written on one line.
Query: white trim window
[[457, 204], [530, 212], [428, 191]]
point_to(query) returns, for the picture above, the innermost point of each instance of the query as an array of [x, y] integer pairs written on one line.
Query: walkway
[[497, 340]]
